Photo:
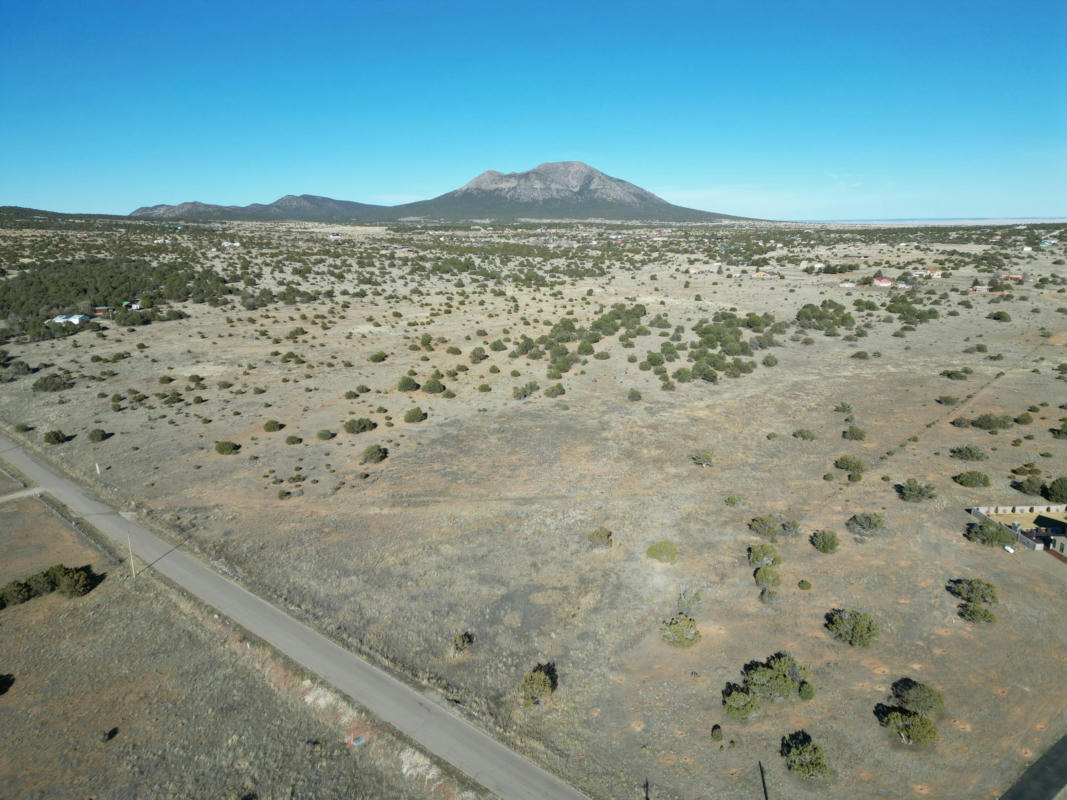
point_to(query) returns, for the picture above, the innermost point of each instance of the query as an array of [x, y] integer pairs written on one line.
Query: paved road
[[1045, 779], [443, 734]]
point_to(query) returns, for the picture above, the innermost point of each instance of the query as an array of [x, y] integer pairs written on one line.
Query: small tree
[[802, 756], [825, 541], [407, 384], [272, 425], [227, 448], [1057, 490], [538, 684], [415, 414], [804, 435], [911, 728], [918, 698], [433, 386], [97, 435], [55, 437], [852, 627]]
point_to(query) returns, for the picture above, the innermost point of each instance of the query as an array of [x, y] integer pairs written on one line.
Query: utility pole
[[133, 571], [763, 779]]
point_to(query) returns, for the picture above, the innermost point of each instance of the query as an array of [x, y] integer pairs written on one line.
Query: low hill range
[[559, 190]]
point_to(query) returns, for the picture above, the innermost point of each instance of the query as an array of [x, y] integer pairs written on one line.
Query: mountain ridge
[[569, 190]]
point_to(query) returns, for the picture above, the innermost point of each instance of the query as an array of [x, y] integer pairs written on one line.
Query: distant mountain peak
[[553, 190]]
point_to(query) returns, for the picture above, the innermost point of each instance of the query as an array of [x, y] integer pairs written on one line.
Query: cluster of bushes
[[777, 678], [913, 491], [854, 466], [989, 533], [68, 581], [986, 422], [976, 595], [911, 717], [771, 527], [824, 540]]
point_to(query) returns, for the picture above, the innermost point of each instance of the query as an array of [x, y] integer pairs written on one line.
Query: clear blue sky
[[788, 110]]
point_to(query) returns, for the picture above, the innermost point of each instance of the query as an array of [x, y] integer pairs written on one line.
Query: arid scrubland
[[593, 482]]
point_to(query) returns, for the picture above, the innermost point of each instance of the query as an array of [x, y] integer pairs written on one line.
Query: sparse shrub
[[971, 479], [374, 454], [976, 612], [716, 733], [739, 702], [844, 408], [852, 627], [992, 422], [55, 437], [854, 434], [633, 395], [948, 400], [433, 386], [226, 448], [407, 384], [999, 316], [866, 524], [360, 425], [766, 576], [989, 533], [324, 435], [768, 596], [293, 440], [825, 541], [555, 390], [804, 584], [538, 684], [272, 425], [414, 414], [600, 537], [968, 452], [852, 465], [702, 458], [377, 358], [97, 435], [806, 691], [804, 435], [524, 391], [664, 551], [762, 555], [803, 756], [680, 630], [461, 643], [912, 491]]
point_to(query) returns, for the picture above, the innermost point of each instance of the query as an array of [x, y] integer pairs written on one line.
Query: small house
[[884, 283]]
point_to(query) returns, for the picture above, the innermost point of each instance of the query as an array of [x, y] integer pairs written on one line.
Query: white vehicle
[[1009, 548]]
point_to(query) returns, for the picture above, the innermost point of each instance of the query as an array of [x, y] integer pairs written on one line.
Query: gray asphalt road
[[1045, 779], [443, 734]]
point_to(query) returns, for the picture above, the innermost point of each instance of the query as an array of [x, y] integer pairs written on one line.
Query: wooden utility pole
[[133, 571]]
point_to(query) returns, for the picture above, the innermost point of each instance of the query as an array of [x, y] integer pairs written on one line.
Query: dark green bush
[[852, 627], [272, 425], [226, 448], [971, 479], [825, 541], [415, 414]]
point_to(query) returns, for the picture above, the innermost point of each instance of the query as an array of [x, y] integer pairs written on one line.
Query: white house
[[70, 319]]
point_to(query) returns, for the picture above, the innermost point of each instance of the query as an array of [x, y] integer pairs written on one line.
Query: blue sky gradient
[[785, 110]]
